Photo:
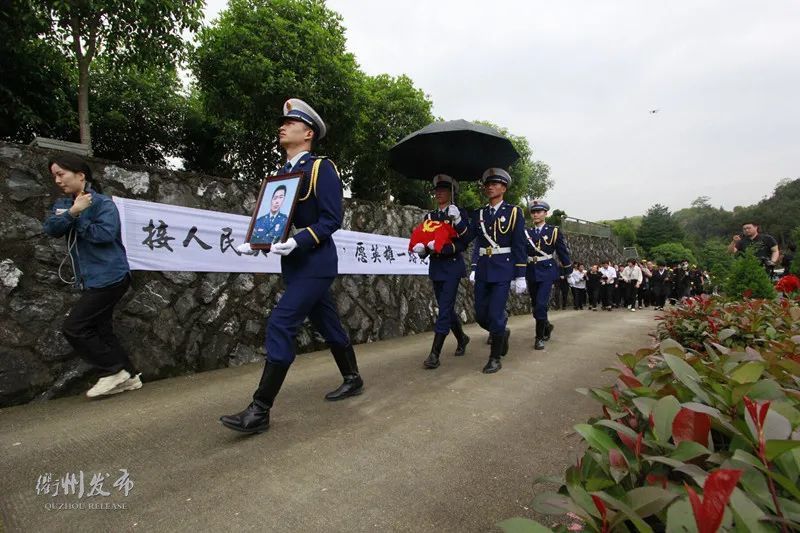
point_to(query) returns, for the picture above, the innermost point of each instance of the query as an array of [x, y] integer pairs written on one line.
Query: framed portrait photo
[[272, 215]]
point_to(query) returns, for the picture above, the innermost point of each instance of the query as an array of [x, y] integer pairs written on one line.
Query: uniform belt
[[537, 258], [494, 251]]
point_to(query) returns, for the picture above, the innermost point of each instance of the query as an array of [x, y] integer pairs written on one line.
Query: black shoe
[[433, 358], [506, 336], [254, 419], [538, 344], [461, 337], [548, 331], [461, 349], [492, 366], [353, 385]]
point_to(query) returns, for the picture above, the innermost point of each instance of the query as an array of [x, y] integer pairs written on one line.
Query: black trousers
[[593, 292], [562, 290], [578, 297], [659, 295], [89, 329], [630, 293]]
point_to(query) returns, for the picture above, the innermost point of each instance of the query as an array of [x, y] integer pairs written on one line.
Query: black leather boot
[[255, 418], [353, 385], [538, 344], [461, 337], [494, 364], [548, 330], [505, 336], [436, 350]]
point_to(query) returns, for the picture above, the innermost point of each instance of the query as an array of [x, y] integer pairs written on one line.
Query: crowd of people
[[634, 285]]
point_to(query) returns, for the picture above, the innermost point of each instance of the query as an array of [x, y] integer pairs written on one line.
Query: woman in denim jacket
[[90, 222]]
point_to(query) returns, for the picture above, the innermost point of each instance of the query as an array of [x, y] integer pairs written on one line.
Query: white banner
[[172, 238]]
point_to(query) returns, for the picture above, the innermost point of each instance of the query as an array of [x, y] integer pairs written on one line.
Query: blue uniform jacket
[[98, 253], [317, 215], [551, 242], [449, 263], [269, 231], [507, 230]]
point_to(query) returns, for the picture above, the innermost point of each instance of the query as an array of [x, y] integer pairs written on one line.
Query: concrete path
[[421, 450]]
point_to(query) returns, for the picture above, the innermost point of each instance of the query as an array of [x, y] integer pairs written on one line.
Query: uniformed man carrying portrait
[[309, 264], [446, 268], [544, 243], [498, 261]]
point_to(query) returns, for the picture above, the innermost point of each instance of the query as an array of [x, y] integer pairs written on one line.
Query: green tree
[[671, 253], [34, 95], [138, 113], [715, 258], [658, 227], [747, 276], [123, 32], [390, 109], [255, 56], [625, 230], [556, 217]]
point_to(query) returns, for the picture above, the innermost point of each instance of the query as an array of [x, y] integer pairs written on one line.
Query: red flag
[[441, 233]]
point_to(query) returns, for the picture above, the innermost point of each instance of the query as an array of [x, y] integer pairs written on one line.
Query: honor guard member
[[446, 268], [498, 261], [269, 228], [544, 243], [309, 265]]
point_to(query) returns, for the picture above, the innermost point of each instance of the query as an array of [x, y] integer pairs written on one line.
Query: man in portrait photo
[[269, 228]]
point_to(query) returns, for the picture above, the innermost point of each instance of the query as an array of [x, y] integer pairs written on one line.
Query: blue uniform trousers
[[540, 297], [490, 305], [308, 297], [446, 292]]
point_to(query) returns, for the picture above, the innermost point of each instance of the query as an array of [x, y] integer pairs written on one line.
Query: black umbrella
[[459, 148]]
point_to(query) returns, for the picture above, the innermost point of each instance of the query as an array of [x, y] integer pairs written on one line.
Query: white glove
[[472, 277], [432, 246], [244, 248], [418, 248], [284, 248], [455, 213], [520, 285]]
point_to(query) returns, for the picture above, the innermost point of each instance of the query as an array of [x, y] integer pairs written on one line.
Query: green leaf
[[687, 375], [553, 503], [747, 514], [688, 450], [748, 372], [522, 525], [646, 501], [597, 438], [680, 518], [645, 405], [779, 447], [726, 334], [671, 346], [625, 512], [663, 414]]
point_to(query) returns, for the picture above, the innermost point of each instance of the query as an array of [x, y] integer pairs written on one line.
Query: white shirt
[[633, 273], [610, 273], [577, 279]]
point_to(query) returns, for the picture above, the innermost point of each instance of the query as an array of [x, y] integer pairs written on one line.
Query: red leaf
[[616, 459], [752, 410], [691, 425], [601, 506], [762, 413], [628, 378], [637, 450], [697, 508], [627, 441], [652, 421], [655, 479], [716, 492]]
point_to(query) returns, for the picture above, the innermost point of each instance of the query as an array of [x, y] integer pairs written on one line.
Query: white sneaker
[[632, 309], [107, 384], [133, 383]]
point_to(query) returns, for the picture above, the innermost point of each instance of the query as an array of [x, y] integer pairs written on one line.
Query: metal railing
[[594, 229]]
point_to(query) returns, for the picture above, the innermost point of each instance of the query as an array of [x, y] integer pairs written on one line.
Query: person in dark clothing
[[562, 288], [593, 285], [660, 285], [90, 222], [765, 246]]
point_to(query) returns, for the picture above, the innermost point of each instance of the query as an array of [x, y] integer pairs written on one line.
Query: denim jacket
[[97, 253]]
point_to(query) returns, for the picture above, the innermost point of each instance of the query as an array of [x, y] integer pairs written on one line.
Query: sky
[[578, 78]]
